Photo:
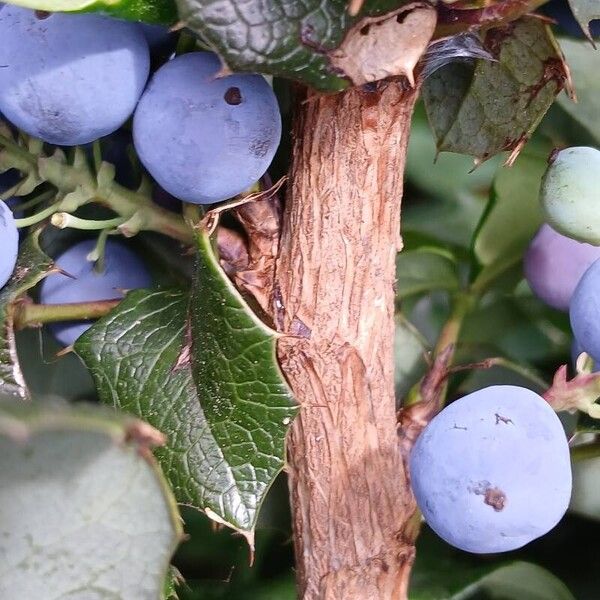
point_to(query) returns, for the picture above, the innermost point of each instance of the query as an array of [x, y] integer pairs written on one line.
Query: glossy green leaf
[[487, 107], [32, 266], [202, 370], [585, 11], [151, 11], [584, 64], [285, 38], [84, 510]]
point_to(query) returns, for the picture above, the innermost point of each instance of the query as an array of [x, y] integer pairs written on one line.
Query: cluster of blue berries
[[70, 80], [562, 263]]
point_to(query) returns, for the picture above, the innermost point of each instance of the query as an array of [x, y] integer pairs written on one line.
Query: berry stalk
[[76, 185]]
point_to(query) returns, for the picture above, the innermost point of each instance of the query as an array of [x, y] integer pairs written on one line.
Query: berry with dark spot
[[492, 471], [206, 138]]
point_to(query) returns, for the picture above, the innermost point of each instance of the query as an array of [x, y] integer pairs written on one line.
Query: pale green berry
[[570, 193]]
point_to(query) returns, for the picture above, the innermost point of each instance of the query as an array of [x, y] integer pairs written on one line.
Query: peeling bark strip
[[350, 494]]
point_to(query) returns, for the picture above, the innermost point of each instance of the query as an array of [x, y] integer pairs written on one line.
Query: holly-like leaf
[[84, 510], [151, 11], [202, 370], [584, 64], [585, 11], [32, 266], [315, 41], [488, 107]]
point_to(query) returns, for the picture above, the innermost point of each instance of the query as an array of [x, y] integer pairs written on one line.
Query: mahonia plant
[[200, 220]]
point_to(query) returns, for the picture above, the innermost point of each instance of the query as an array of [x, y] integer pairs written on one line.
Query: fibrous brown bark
[[335, 274]]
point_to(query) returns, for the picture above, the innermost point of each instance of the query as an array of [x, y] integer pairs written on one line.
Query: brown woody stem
[[351, 498]]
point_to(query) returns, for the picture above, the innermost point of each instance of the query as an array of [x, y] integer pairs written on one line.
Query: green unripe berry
[[570, 193]]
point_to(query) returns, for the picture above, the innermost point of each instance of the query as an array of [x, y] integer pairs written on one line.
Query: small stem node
[[63, 220]]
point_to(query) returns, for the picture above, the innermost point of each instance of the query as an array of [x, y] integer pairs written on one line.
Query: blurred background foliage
[[458, 222]]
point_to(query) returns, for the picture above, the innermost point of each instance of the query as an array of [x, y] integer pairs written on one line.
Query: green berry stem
[[77, 185], [37, 217], [64, 220], [33, 315], [97, 254]]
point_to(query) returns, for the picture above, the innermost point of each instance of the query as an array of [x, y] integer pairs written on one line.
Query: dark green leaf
[[585, 11], [424, 270], [488, 107], [151, 11], [84, 510], [442, 573], [281, 37], [584, 64], [205, 373], [32, 266]]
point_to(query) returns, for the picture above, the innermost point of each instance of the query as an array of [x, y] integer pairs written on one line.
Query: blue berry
[[159, 38], [492, 471], [554, 264], [9, 243], [69, 79], [205, 139], [123, 270], [584, 311], [570, 194]]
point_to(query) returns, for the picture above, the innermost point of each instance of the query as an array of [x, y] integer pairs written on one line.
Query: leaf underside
[[84, 512], [203, 370], [487, 107]]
